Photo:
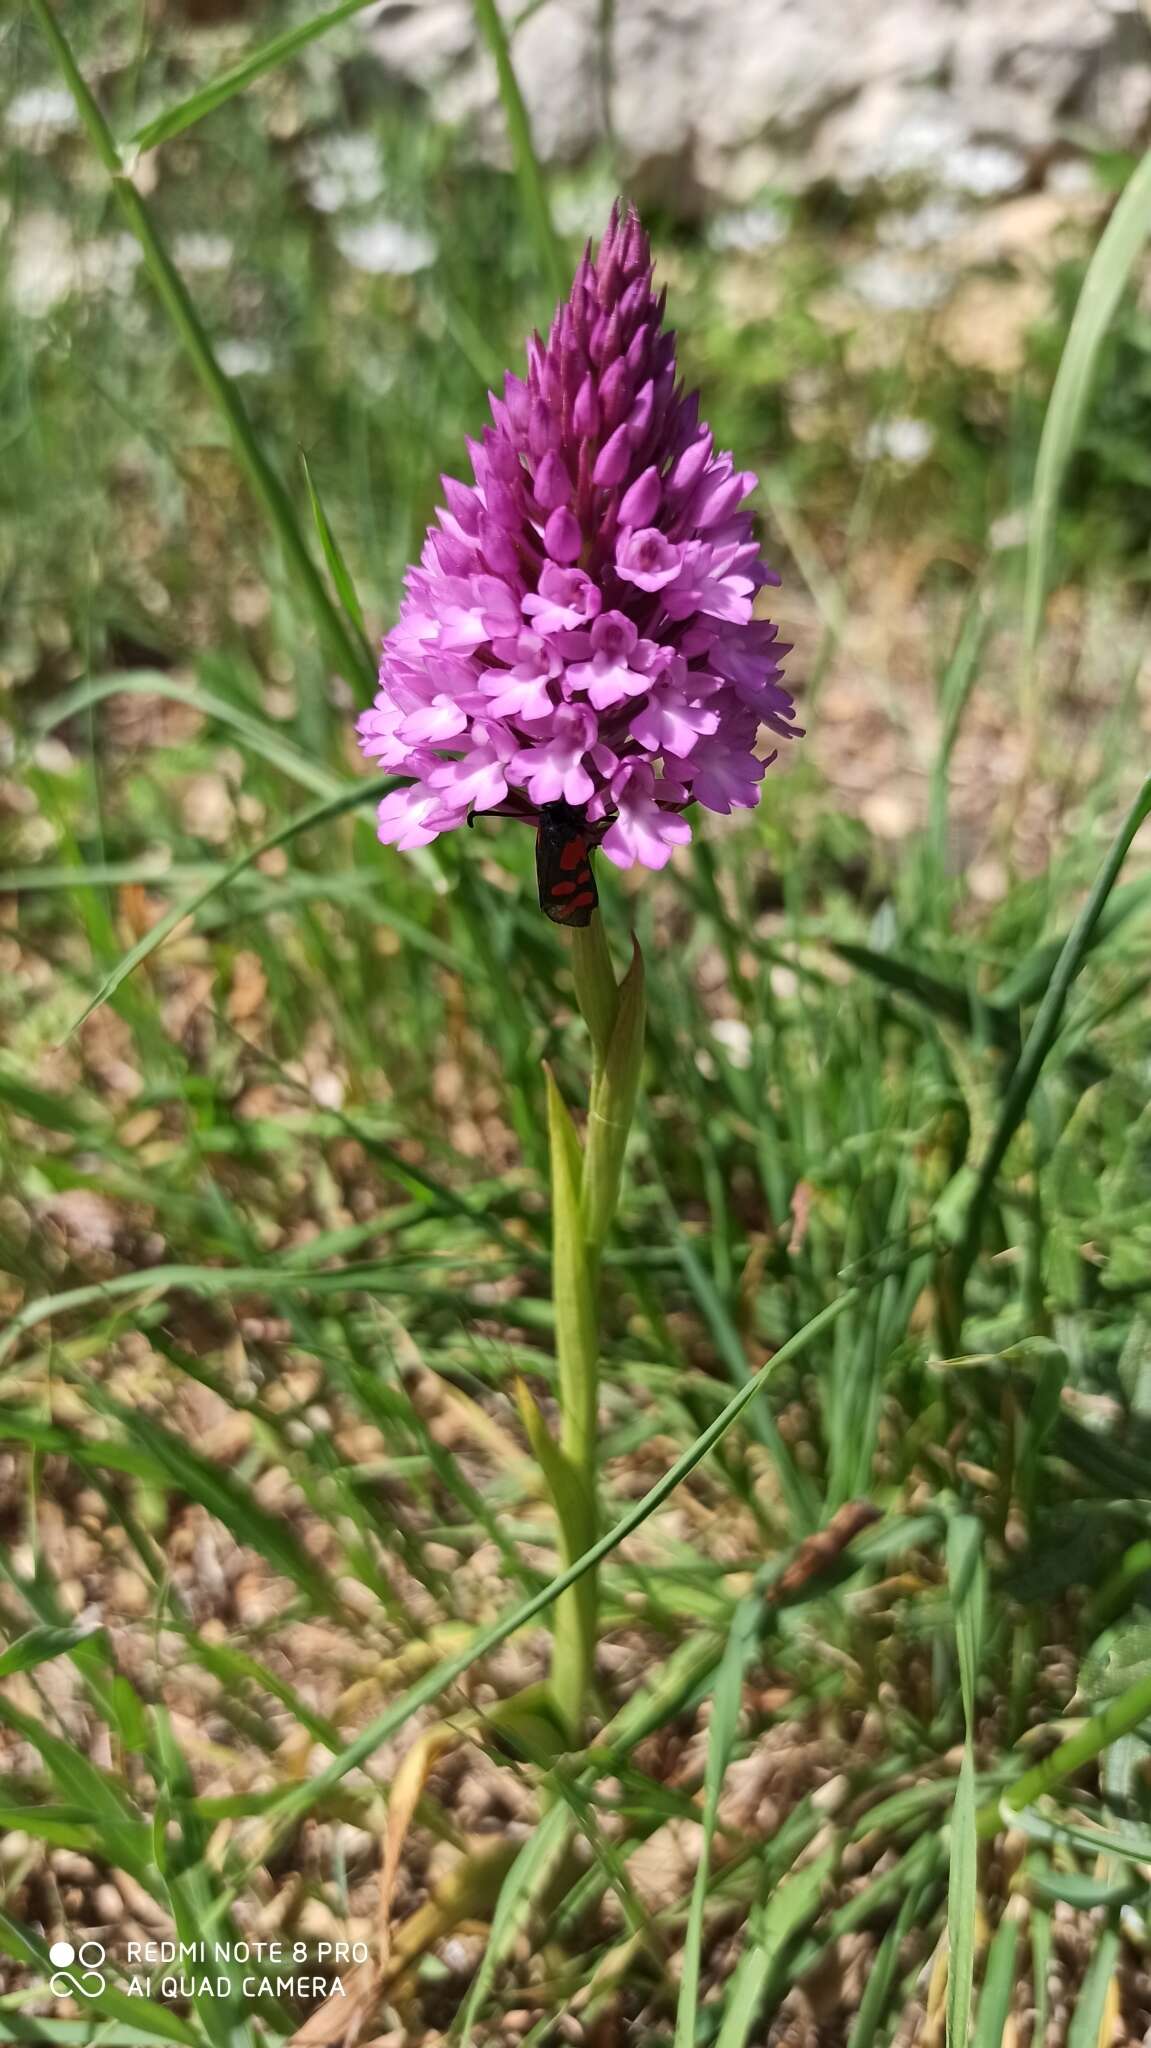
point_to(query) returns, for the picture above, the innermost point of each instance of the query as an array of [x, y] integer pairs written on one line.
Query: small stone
[[129, 1594], [830, 1797]]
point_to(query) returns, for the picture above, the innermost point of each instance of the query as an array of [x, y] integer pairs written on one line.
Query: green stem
[[596, 991], [301, 1799], [1118, 1718], [353, 661], [585, 1193]]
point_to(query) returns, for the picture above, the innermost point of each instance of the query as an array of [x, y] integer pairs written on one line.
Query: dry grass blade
[[416, 1767]]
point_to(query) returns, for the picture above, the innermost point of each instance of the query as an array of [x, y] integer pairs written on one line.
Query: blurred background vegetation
[[273, 1220]]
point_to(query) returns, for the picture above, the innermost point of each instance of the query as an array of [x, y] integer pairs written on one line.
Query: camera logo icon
[[89, 1980]]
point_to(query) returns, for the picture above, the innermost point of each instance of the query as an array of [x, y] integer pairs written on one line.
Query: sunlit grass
[[274, 1227]]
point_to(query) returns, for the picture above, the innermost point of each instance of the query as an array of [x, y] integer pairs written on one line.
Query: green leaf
[[266, 58], [1134, 1841], [595, 984], [1117, 1718], [677, 1683], [1079, 1889], [577, 1360], [160, 1458], [1108, 274], [234, 1667], [564, 1483], [53, 1112], [1026, 983], [577, 1343], [227, 1498], [66, 1827], [795, 1485], [101, 1453], [217, 1283], [1041, 1943]]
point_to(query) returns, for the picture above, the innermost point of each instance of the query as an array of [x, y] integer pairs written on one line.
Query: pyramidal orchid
[[578, 648], [580, 629]]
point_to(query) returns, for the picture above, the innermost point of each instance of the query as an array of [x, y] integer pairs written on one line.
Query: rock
[[714, 103], [987, 323]]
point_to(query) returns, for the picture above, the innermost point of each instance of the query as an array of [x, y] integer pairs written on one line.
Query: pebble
[[129, 1594], [830, 1797]]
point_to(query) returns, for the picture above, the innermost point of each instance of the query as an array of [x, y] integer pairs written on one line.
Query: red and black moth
[[564, 846]]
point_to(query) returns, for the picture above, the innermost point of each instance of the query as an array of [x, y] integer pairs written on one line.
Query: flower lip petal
[[647, 558]]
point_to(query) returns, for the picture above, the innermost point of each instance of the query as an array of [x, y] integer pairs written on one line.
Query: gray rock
[[712, 101]]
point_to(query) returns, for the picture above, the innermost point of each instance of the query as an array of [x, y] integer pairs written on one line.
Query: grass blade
[[942, 998], [1042, 1034], [353, 662], [333, 554], [264, 59], [39, 1646], [262, 738], [1041, 1944], [962, 1906], [134, 2014], [127, 1837], [322, 814], [1107, 276], [1097, 2007], [877, 1990], [535, 198], [741, 1646], [301, 1799], [791, 1906], [527, 1879], [965, 1571]]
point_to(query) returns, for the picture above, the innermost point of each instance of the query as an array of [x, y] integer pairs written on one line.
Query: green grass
[[274, 1230]]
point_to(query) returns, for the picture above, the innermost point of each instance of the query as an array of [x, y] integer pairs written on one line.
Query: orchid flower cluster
[[580, 628]]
